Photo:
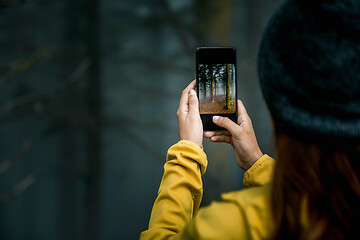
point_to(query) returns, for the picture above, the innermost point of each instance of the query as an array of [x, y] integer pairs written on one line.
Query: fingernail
[[215, 118], [192, 92]]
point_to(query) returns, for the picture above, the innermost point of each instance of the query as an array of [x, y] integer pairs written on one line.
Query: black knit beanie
[[309, 68]]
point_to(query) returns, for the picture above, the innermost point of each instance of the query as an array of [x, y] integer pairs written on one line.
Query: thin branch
[[76, 75], [23, 66], [24, 148], [32, 97], [122, 123], [19, 101], [18, 189]]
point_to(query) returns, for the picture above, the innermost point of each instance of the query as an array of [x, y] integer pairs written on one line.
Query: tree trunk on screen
[[212, 83], [227, 87], [215, 88], [205, 82]]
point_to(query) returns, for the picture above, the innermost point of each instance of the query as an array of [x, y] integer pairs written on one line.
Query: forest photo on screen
[[217, 88]]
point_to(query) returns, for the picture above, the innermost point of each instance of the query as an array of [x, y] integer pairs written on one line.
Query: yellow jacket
[[244, 214]]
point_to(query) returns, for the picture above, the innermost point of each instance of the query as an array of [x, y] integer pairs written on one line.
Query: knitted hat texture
[[309, 68]]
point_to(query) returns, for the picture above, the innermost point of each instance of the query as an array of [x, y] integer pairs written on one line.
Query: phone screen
[[216, 84]]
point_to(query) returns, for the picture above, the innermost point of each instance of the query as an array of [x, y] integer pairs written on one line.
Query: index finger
[[210, 134], [242, 113], [184, 100]]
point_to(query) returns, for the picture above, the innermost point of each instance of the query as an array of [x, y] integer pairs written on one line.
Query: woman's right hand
[[241, 136]]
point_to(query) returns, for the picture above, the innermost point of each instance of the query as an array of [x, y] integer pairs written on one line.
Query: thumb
[[226, 123], [193, 102]]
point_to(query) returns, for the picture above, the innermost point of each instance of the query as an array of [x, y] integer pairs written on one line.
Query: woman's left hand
[[189, 121]]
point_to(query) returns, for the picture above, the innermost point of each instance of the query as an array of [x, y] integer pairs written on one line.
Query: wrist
[[197, 143], [192, 143], [246, 162], [256, 156]]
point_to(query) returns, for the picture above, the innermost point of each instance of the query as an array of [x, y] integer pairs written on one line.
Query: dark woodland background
[[89, 93]]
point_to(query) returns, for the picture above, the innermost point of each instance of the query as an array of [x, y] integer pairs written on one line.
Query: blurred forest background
[[89, 93]]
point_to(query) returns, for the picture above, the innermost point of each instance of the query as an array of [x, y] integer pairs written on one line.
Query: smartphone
[[216, 84]]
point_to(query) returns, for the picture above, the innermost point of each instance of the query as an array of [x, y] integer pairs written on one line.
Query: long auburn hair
[[316, 189]]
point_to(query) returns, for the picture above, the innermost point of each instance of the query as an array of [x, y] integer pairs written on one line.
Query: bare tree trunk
[[67, 208], [215, 88], [205, 82], [227, 87], [93, 134], [212, 83], [68, 143]]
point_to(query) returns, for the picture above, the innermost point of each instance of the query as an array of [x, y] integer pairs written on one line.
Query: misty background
[[89, 91]]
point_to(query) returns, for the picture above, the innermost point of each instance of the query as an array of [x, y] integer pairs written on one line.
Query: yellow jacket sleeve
[[241, 215], [180, 191], [260, 173]]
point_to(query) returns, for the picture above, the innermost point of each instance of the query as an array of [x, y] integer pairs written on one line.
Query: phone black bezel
[[217, 55]]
